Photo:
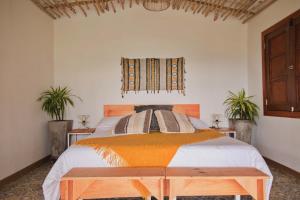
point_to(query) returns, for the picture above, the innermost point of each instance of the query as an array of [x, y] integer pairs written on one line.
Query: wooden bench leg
[[156, 189], [63, 190], [161, 189], [260, 189], [172, 188], [255, 187], [66, 190], [148, 197], [237, 197]]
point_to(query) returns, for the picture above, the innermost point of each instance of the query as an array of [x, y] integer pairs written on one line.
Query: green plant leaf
[[240, 106], [55, 100]]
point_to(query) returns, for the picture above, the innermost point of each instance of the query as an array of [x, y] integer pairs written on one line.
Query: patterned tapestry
[[153, 75]]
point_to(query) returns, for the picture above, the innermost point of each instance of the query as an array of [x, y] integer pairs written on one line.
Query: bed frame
[[192, 110], [108, 182]]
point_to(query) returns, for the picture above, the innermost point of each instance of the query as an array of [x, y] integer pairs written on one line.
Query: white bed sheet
[[220, 152]]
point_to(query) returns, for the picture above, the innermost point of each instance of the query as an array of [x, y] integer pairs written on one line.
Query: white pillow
[[108, 123], [198, 123]]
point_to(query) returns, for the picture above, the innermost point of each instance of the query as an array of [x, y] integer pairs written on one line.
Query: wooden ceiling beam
[[81, 8], [217, 13], [66, 2], [215, 6], [105, 5], [96, 7], [51, 8], [184, 4], [225, 11], [201, 7], [234, 5], [54, 6], [259, 10], [38, 4], [196, 7], [61, 7], [100, 6], [246, 7], [178, 5], [113, 6], [242, 10], [87, 5], [65, 12], [212, 5], [206, 7], [238, 5], [122, 2], [246, 14], [173, 4]]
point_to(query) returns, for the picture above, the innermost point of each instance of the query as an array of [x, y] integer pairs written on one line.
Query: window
[[281, 68]]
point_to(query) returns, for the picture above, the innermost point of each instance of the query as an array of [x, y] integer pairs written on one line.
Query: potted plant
[[54, 103], [242, 113]]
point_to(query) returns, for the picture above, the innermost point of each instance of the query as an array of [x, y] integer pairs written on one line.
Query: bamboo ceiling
[[242, 10]]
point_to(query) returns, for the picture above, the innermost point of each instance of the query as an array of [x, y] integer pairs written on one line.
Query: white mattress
[[220, 152]]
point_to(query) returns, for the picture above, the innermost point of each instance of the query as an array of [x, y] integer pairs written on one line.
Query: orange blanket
[[144, 150]]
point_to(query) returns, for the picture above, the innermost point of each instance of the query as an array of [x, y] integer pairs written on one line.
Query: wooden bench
[[215, 181], [92, 183]]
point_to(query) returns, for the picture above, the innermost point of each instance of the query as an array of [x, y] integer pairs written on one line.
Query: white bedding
[[220, 152]]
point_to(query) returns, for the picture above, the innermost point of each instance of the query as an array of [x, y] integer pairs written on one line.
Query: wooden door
[[277, 71]]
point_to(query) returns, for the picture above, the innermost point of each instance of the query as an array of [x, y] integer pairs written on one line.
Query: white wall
[[276, 138], [26, 68], [88, 53]]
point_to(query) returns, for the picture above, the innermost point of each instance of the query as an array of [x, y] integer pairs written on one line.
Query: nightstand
[[81, 131], [227, 131]]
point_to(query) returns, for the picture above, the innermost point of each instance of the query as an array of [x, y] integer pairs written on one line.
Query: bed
[[218, 152]]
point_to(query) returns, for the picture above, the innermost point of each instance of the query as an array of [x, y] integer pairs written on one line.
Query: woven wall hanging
[[153, 75]]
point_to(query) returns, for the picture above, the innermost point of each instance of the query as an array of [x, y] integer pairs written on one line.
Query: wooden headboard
[[192, 110]]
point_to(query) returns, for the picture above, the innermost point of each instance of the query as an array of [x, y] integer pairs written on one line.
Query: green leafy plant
[[55, 100], [240, 106]]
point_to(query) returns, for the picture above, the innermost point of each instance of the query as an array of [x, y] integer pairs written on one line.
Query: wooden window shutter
[[296, 62], [277, 73], [281, 67]]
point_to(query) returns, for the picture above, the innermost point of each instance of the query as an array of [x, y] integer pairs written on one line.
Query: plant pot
[[58, 131], [243, 129]]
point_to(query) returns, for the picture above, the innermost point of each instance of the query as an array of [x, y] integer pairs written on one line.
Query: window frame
[[264, 34]]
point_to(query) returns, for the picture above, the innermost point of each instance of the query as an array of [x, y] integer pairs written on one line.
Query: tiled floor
[[286, 186]]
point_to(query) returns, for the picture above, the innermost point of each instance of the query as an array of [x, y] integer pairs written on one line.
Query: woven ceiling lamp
[[156, 5]]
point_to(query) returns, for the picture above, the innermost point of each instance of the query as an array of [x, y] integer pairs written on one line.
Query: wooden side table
[[227, 131], [81, 131]]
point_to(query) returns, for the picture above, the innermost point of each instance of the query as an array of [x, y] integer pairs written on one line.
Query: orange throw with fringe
[[145, 150]]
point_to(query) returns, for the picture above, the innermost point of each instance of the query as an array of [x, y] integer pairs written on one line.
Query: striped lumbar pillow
[[172, 122], [134, 123]]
